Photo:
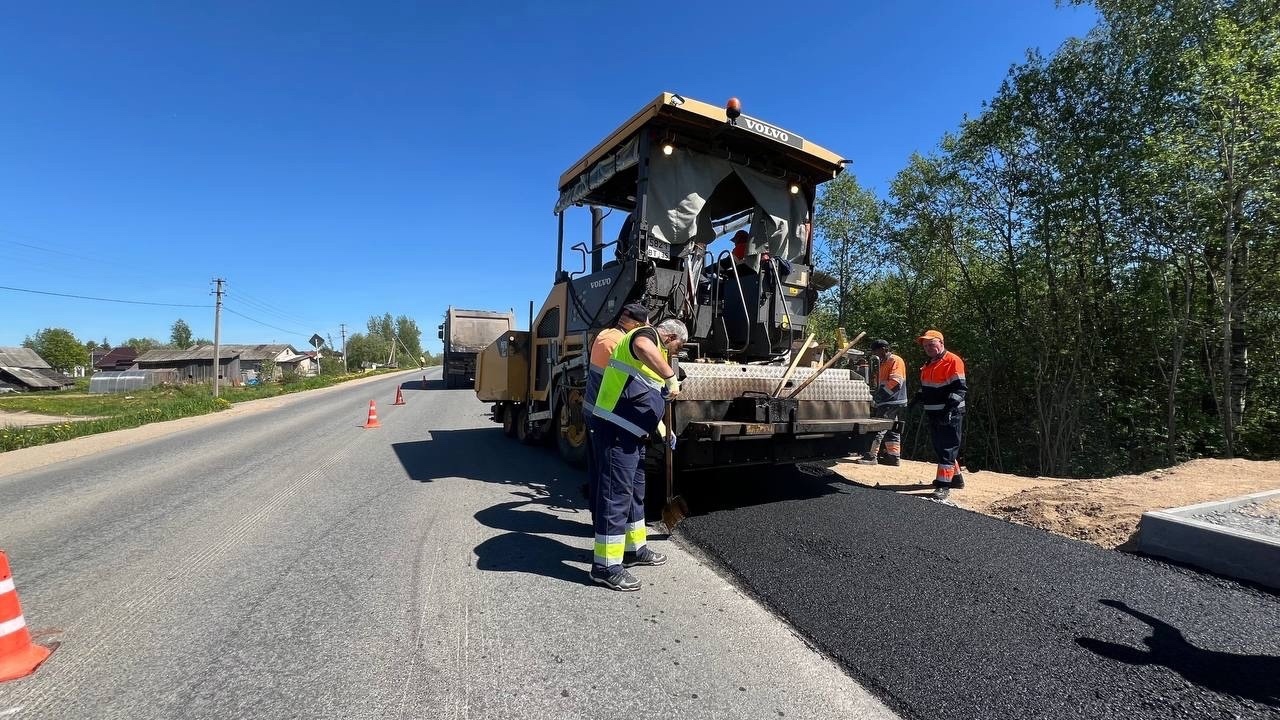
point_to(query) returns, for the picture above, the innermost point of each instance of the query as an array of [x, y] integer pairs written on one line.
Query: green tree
[[382, 327], [59, 348], [410, 336], [847, 225], [330, 365], [362, 348], [180, 334], [1102, 244], [268, 372], [142, 344]]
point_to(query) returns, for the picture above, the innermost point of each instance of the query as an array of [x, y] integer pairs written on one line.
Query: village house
[[21, 369], [195, 364], [283, 356]]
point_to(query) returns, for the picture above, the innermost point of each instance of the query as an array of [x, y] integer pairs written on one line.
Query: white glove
[[672, 388]]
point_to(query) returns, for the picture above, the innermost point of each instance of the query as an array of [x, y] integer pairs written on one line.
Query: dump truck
[[465, 333], [687, 175]]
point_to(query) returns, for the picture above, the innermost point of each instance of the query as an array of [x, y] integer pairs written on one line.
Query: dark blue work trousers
[[945, 430], [617, 502]]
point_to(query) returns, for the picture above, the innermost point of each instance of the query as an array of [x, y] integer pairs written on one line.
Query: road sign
[[316, 341]]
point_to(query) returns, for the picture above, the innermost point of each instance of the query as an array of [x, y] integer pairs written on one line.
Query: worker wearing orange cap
[[942, 393]]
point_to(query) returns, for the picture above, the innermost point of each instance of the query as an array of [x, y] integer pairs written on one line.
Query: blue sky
[[335, 160]]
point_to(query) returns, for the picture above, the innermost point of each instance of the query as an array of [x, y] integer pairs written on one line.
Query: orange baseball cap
[[930, 335]]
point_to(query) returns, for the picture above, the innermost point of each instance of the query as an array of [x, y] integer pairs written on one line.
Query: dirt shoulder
[[22, 418], [16, 461], [1103, 512]]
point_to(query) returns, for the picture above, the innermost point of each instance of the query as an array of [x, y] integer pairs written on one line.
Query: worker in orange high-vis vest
[[889, 401], [942, 393], [633, 315]]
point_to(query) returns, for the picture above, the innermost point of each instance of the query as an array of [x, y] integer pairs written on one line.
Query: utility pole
[[343, 328], [217, 333]]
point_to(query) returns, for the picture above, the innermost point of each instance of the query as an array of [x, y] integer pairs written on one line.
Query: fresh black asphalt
[[950, 614]]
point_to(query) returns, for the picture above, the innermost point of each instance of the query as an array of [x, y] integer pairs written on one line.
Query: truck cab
[[464, 334]]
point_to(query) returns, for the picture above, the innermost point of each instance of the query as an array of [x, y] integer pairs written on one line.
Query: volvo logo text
[[767, 131], [771, 132]]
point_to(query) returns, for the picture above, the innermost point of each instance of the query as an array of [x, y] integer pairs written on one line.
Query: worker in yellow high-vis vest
[[637, 384], [633, 315]]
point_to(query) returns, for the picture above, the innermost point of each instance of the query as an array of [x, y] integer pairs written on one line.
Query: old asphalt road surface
[[289, 564], [950, 614]]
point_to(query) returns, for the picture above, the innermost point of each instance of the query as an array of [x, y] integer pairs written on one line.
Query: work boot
[[957, 482], [864, 460], [941, 493], [644, 556], [618, 579], [889, 460]]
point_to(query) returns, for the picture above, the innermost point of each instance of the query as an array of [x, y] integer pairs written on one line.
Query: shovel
[[676, 509]]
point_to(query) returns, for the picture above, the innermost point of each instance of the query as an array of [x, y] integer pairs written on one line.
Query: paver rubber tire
[[571, 437], [509, 420], [524, 433]]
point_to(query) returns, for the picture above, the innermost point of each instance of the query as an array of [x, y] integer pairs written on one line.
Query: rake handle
[[826, 366], [795, 362]]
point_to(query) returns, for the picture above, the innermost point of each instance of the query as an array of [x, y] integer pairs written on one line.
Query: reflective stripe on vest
[[893, 368], [638, 374], [943, 371], [942, 382]]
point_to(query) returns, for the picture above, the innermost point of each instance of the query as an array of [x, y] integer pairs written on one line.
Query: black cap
[[877, 344], [636, 311]]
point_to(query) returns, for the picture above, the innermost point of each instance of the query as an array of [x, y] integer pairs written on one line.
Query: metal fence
[[107, 381]]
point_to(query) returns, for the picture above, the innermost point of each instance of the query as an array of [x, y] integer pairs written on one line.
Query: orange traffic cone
[[372, 422], [18, 655], [399, 397]]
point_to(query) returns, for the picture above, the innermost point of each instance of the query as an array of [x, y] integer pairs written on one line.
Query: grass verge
[[133, 409]]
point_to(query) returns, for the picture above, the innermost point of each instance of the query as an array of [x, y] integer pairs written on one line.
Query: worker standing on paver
[[636, 386], [889, 400], [633, 315], [942, 393]]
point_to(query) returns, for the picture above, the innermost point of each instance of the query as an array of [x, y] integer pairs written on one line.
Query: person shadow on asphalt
[[1252, 677], [525, 546]]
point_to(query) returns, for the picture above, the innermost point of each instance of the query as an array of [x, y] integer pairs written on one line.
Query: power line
[[273, 327], [120, 268], [273, 309], [99, 299], [261, 307], [53, 251]]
